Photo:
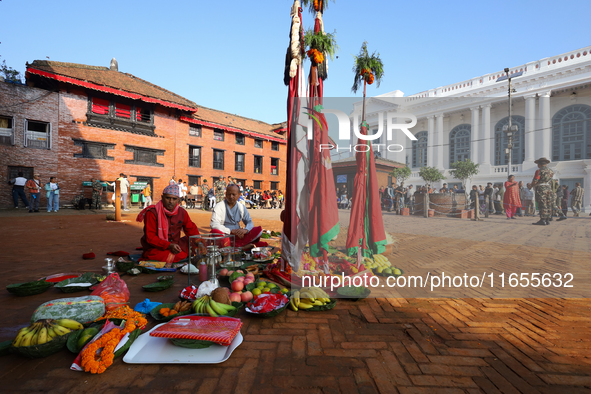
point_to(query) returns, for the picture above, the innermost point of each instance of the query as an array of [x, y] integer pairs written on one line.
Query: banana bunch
[[44, 331], [308, 297], [378, 262], [206, 304]]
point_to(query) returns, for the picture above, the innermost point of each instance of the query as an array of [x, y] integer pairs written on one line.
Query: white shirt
[[123, 185], [409, 193], [227, 219], [53, 186], [528, 194], [183, 188], [20, 181]]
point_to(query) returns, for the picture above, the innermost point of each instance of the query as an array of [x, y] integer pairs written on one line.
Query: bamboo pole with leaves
[[367, 69]]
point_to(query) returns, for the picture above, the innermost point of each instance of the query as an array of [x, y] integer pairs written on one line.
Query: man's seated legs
[[250, 238]]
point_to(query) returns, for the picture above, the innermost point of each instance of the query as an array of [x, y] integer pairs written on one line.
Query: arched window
[[501, 141], [459, 143], [571, 133], [419, 150]]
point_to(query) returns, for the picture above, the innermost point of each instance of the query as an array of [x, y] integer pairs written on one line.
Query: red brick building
[[344, 171], [100, 122]]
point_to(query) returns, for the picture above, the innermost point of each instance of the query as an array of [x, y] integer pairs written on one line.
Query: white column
[[430, 141], [475, 134], [487, 144], [439, 147], [544, 133], [530, 127]]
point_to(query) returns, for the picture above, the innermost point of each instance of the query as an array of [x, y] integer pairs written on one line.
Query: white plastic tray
[[152, 350]]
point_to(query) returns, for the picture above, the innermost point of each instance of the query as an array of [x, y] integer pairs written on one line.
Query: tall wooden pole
[[117, 200]]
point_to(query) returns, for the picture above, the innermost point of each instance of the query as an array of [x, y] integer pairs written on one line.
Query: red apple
[[237, 285], [235, 297], [230, 273], [240, 278], [246, 296], [224, 272], [248, 281], [250, 275]]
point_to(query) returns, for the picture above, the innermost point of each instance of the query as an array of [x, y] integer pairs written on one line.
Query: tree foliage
[[10, 74], [365, 61], [401, 174], [431, 175], [325, 43], [464, 170]]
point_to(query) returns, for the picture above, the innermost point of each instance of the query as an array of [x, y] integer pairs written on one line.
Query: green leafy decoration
[[365, 61], [464, 170], [325, 43]]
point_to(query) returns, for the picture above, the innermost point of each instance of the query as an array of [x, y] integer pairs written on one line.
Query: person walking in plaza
[[18, 190], [53, 195], [519, 211], [576, 199], [97, 192], [545, 198], [528, 200], [511, 200], [488, 192], [147, 192], [219, 187], [565, 197], [183, 188], [212, 198], [204, 195], [123, 187], [475, 199], [34, 188]]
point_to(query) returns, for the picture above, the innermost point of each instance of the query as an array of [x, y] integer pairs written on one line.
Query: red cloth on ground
[[88, 256], [155, 248], [251, 237]]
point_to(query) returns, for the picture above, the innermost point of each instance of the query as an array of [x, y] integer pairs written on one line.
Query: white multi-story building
[[551, 106]]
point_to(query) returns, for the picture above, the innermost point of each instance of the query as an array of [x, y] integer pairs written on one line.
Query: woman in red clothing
[[163, 223], [511, 199]]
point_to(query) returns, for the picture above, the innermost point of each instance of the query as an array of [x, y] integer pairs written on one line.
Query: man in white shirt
[[18, 190], [528, 200], [228, 214], [123, 186]]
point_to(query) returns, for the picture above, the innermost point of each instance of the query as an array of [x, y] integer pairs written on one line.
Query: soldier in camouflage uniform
[[545, 197], [220, 189], [204, 191], [557, 201], [97, 191]]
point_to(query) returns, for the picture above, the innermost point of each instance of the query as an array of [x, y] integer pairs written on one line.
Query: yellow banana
[[296, 296], [42, 336], [305, 305], [19, 336], [210, 310], [50, 333], [318, 302], [292, 305], [26, 341], [70, 324], [60, 330]]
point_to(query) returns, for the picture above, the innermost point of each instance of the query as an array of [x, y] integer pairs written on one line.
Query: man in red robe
[[163, 223]]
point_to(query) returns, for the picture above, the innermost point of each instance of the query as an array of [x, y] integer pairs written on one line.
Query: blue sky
[[230, 55]]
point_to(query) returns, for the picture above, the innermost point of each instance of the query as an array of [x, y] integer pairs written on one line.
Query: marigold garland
[[124, 312], [367, 75], [315, 55], [99, 355], [317, 5]]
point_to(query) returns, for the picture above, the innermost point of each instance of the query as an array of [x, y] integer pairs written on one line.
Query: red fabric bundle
[[220, 330], [119, 253], [88, 256], [266, 303]]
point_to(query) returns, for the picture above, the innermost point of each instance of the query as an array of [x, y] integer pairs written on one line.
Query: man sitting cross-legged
[[228, 214], [163, 223]]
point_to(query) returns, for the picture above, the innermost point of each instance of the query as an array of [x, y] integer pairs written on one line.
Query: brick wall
[[68, 110], [22, 103]]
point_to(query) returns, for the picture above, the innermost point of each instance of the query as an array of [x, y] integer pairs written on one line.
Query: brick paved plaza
[[389, 345]]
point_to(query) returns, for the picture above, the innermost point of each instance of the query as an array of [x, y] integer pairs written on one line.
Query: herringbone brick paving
[[389, 345]]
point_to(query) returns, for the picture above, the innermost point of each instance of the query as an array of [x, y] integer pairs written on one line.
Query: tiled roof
[[104, 76], [238, 122]]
